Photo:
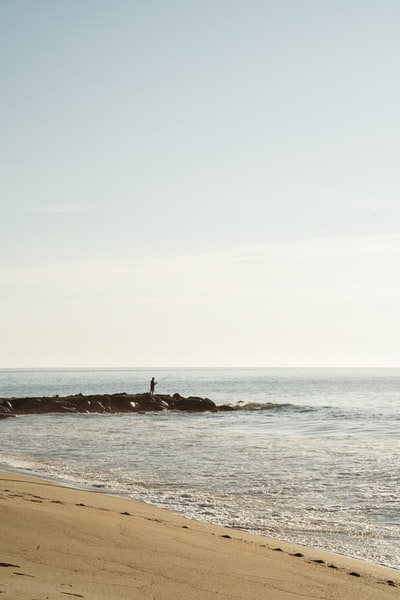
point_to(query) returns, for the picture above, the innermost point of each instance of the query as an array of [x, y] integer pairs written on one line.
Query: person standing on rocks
[[153, 384]]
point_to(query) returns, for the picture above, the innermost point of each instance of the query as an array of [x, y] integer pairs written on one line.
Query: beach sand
[[58, 542]]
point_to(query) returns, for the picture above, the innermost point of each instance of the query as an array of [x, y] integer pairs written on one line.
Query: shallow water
[[311, 457]]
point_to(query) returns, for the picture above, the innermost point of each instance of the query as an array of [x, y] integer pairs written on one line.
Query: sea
[[310, 456]]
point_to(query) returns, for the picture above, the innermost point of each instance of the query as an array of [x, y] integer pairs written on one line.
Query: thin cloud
[[51, 209]]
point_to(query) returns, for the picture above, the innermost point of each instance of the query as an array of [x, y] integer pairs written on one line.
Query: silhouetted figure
[[153, 384]]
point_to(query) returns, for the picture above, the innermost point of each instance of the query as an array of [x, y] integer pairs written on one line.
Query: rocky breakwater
[[105, 403]]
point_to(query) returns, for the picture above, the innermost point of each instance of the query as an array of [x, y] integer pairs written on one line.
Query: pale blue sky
[[191, 183]]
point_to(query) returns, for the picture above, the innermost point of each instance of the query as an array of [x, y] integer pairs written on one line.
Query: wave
[[264, 406]]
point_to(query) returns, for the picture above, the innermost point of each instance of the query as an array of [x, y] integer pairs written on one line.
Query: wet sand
[[58, 542]]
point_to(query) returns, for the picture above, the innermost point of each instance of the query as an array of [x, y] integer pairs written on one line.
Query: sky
[[189, 183]]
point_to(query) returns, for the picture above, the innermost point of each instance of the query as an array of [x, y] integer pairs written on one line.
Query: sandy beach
[[57, 541]]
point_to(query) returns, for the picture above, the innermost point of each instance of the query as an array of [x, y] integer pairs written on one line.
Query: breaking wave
[[274, 406]]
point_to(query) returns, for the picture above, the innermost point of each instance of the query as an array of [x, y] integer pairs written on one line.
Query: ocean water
[[311, 455]]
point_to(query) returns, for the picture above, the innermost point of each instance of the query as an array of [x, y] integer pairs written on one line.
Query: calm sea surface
[[312, 456]]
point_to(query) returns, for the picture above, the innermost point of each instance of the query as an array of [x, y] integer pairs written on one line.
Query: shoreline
[[62, 540]]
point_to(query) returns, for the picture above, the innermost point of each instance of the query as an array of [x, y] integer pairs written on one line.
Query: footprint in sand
[[318, 561]]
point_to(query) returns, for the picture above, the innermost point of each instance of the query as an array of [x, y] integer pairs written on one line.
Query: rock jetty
[[106, 403]]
